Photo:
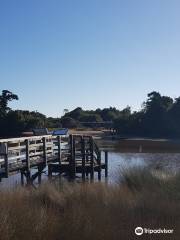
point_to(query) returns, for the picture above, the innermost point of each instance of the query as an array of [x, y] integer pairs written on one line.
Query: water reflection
[[159, 161]]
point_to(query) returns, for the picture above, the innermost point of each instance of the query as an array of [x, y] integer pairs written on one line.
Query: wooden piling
[[106, 164], [49, 172], [59, 154], [28, 177], [22, 178], [59, 149], [72, 158], [99, 167], [27, 155], [92, 159], [86, 159], [83, 151], [39, 174], [44, 151], [6, 161]]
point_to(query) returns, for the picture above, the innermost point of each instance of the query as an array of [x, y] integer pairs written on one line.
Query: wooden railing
[[18, 153], [22, 154]]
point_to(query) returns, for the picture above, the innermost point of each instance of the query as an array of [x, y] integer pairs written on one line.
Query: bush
[[68, 122]]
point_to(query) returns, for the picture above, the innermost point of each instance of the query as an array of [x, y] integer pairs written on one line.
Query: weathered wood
[[49, 172], [44, 151], [22, 139], [99, 167], [4, 154], [83, 158], [28, 177], [74, 158], [72, 163], [6, 164], [22, 178], [73, 155], [71, 144], [59, 149], [27, 155], [106, 164], [40, 168], [92, 159]]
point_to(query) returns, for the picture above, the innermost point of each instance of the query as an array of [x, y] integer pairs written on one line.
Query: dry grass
[[93, 211]]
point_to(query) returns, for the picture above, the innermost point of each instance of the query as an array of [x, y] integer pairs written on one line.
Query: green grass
[[93, 211]]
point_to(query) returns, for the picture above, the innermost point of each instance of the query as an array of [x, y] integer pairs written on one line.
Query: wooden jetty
[[69, 155]]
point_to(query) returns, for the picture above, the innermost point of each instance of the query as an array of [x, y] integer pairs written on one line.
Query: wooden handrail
[[24, 153]]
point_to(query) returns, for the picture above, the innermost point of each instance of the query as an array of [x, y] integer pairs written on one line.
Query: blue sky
[[58, 54]]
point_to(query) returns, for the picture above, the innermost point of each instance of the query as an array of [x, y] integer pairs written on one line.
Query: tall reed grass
[[93, 211]]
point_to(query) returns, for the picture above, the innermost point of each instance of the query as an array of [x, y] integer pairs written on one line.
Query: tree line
[[159, 116], [14, 122]]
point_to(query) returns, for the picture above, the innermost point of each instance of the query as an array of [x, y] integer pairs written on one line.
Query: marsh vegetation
[[144, 198]]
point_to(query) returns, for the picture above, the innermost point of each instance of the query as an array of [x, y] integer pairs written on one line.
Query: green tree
[[68, 122], [5, 98], [155, 119]]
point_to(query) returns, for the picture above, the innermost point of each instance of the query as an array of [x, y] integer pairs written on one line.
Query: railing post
[[27, 155], [59, 149], [92, 159], [73, 157], [4, 153], [28, 172], [44, 151], [6, 160], [99, 170], [71, 144], [83, 157]]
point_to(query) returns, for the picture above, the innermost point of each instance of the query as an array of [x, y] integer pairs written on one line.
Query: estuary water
[[120, 159]]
